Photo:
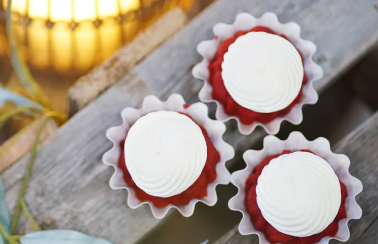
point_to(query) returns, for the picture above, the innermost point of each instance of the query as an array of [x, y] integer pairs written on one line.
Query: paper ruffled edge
[[199, 113], [245, 21], [296, 141]]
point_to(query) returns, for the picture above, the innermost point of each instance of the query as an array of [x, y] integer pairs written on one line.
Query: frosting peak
[[165, 153], [262, 72], [299, 194]]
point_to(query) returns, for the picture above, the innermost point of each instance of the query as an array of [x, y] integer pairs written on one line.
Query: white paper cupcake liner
[[245, 21], [296, 141], [199, 113]]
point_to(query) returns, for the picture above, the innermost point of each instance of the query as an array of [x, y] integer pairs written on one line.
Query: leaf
[[4, 213], [60, 237], [29, 216], [20, 66], [8, 96], [205, 242]]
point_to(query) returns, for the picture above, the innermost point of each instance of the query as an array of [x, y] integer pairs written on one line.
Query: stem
[[59, 118], [28, 172], [29, 216], [19, 64], [11, 239], [11, 141], [16, 237], [3, 231], [25, 93], [17, 111]]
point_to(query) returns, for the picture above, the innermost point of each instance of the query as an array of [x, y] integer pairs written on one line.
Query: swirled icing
[[165, 153], [262, 72], [299, 194]]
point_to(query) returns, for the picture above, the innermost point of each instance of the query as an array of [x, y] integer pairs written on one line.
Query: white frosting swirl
[[299, 194], [165, 153], [262, 72]]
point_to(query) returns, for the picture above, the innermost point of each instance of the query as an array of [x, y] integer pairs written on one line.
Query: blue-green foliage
[[4, 213], [8, 96], [60, 237]]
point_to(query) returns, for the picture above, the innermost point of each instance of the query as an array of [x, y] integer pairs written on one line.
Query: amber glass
[[69, 37], [63, 39]]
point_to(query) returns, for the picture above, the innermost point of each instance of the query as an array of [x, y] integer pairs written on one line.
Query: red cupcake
[[258, 71], [296, 191], [168, 154]]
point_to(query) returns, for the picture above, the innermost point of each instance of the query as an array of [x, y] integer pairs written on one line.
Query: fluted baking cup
[[296, 141], [244, 22], [199, 113]]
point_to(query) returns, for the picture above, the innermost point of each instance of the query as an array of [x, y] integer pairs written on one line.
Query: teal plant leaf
[[8, 96], [4, 213], [60, 237], [205, 242], [18, 63]]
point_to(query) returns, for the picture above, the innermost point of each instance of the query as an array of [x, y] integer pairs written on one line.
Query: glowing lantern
[[72, 36]]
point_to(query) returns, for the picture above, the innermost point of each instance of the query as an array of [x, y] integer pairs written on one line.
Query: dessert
[[168, 154], [261, 75], [295, 197], [296, 192], [168, 159], [258, 71]]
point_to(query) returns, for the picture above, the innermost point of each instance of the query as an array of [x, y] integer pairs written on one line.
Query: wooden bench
[[69, 187]]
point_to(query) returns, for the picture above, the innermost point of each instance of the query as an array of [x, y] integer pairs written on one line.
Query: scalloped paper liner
[[245, 21], [199, 113], [296, 141]]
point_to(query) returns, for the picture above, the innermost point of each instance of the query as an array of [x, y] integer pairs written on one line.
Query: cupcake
[[296, 191], [258, 71], [168, 155]]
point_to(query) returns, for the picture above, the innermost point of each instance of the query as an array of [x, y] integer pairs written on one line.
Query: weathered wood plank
[[24, 144], [69, 188], [341, 34], [363, 81], [361, 147], [88, 87]]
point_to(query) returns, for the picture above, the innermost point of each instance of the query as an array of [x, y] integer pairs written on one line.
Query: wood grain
[[363, 79], [90, 86], [69, 187], [24, 144], [361, 147]]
